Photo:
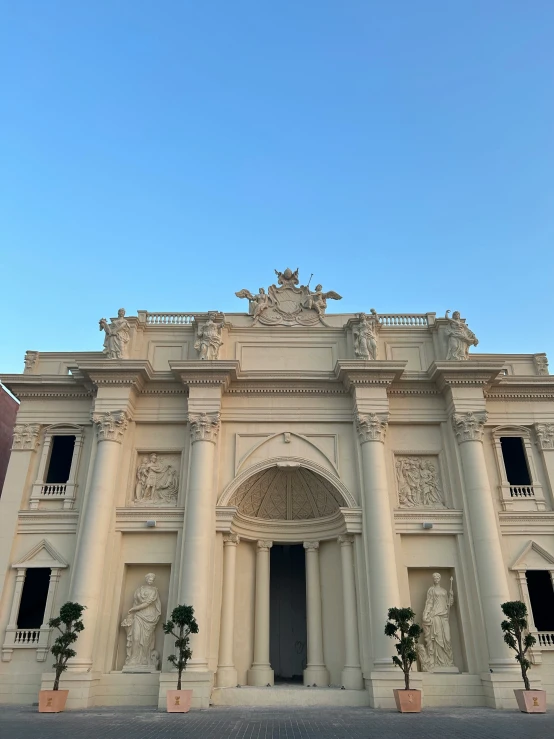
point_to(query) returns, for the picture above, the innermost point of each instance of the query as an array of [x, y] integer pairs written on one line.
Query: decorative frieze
[[372, 426], [469, 426], [111, 425], [25, 437], [204, 426], [545, 435], [157, 480], [418, 482]]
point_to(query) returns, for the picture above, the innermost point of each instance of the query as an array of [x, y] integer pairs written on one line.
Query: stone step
[[283, 695]]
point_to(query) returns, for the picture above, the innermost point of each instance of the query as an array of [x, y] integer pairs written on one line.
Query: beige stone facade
[[292, 474]]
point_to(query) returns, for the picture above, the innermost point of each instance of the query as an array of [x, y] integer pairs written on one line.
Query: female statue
[[437, 652], [460, 338], [141, 623], [208, 339], [117, 335], [365, 336]]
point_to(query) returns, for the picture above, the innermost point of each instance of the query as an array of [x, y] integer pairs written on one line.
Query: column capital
[[346, 540], [469, 426], [231, 540], [545, 435], [204, 426], [311, 545], [25, 437], [372, 426], [110, 425], [264, 545]]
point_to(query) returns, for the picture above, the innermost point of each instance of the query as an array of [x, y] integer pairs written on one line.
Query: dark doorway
[[288, 612]]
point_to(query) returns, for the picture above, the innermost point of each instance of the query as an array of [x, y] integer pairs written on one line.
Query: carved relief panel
[[418, 481], [156, 479]]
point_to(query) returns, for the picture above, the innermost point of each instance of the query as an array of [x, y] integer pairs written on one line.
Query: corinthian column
[[491, 572], [379, 534], [226, 673], [88, 568], [315, 672], [199, 531], [261, 673], [352, 673]]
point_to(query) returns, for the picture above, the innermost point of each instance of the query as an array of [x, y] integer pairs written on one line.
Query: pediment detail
[[534, 557], [42, 554]]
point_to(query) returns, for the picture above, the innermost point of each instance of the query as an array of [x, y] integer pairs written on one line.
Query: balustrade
[[522, 491], [545, 639], [55, 489], [26, 637], [414, 319], [168, 319]]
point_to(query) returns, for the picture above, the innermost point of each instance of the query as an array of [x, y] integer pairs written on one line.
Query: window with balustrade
[[519, 486], [534, 568], [58, 466], [36, 579]]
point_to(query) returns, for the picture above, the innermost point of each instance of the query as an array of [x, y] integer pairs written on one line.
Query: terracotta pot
[[52, 701], [178, 701], [408, 701], [531, 701]]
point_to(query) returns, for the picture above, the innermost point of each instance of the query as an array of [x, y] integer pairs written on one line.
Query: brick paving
[[24, 722]]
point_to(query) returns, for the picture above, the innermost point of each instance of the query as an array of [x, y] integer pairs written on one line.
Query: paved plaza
[[23, 722]]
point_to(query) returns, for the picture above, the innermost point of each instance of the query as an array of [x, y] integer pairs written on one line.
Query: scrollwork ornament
[[372, 426], [204, 426], [469, 426], [311, 545], [545, 435], [264, 545], [110, 426], [25, 437]]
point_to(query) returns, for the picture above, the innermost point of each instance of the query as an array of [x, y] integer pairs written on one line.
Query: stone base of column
[[499, 688], [381, 684], [81, 685], [201, 684], [351, 678], [316, 674], [226, 677], [260, 675]]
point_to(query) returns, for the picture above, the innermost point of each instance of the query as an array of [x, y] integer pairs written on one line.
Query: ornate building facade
[[292, 474]]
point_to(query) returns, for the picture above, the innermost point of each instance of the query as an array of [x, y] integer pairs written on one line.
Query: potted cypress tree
[[514, 628], [53, 701], [401, 627], [182, 618]]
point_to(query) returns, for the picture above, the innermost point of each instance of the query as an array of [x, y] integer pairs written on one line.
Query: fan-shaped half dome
[[286, 495]]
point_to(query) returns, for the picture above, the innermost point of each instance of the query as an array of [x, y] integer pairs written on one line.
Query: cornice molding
[[457, 373], [361, 372], [131, 373], [208, 372]]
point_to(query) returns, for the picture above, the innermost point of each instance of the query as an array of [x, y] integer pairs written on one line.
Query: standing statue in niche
[[140, 624], [460, 338], [365, 335], [157, 483], [117, 335], [208, 338], [436, 655]]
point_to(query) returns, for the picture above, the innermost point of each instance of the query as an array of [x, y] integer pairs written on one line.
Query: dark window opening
[[60, 459], [515, 461], [541, 593], [33, 598]]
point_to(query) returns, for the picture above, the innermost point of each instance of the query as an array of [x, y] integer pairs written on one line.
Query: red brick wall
[[8, 412]]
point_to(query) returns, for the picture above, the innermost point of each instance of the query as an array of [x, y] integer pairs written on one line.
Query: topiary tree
[[400, 626], [183, 618], [70, 617], [514, 635]]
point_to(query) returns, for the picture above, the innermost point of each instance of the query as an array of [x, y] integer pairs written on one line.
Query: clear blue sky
[[162, 155]]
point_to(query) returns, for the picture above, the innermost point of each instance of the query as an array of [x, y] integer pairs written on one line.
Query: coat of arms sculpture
[[288, 304]]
